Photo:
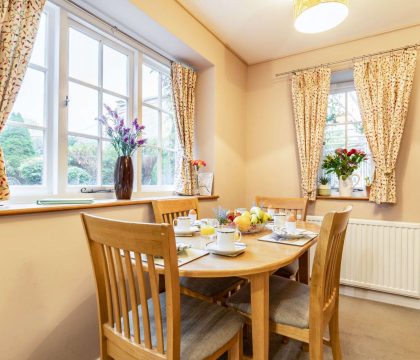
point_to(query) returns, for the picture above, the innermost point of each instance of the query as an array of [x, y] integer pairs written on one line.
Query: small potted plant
[[324, 188], [368, 186]]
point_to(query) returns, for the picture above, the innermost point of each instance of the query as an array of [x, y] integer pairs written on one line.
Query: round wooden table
[[256, 264]]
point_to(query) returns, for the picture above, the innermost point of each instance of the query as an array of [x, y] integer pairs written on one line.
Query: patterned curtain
[[310, 90], [19, 20], [383, 86], [183, 89]]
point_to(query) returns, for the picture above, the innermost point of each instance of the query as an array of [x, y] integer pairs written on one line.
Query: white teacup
[[183, 223], [279, 219], [226, 238], [291, 227], [193, 218]]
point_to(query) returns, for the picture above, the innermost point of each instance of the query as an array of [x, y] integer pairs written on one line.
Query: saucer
[[185, 232], [239, 249], [289, 235]]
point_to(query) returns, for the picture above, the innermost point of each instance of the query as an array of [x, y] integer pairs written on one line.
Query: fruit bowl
[[254, 229]]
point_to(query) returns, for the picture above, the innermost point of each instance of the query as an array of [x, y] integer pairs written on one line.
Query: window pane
[[109, 157], [151, 122], [353, 107], [82, 161], [150, 79], [168, 132], [336, 108], [29, 105], [82, 109], [167, 104], [116, 103], [168, 167], [115, 71], [24, 155], [38, 52], [83, 57], [149, 166]]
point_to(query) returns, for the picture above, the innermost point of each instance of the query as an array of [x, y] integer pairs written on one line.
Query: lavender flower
[[125, 139]]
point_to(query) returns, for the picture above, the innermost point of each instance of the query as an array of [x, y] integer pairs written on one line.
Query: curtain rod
[[115, 28], [353, 59]]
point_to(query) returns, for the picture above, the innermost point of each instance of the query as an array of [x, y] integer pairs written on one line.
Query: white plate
[[286, 235], [182, 232], [239, 249]]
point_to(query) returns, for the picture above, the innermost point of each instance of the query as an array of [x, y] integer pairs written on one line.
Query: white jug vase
[[346, 186]]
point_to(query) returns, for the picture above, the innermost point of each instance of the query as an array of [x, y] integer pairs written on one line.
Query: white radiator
[[381, 255]]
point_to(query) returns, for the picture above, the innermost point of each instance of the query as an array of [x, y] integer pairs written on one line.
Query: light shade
[[313, 16]]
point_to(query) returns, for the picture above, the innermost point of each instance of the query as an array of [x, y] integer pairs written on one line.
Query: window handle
[[66, 101]]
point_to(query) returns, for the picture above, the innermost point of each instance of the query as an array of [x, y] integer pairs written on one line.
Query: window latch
[[66, 101]]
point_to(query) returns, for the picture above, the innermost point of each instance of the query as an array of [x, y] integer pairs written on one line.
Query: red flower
[[345, 151], [339, 151], [351, 152]]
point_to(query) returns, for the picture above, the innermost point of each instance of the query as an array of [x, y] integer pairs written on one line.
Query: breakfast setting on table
[[224, 235]]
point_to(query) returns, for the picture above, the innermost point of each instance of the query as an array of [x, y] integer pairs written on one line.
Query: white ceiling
[[259, 30]]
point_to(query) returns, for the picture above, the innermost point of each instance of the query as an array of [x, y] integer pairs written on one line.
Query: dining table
[[259, 260]]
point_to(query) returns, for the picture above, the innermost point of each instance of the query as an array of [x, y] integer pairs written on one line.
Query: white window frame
[[165, 70], [66, 79], [340, 88], [22, 191]]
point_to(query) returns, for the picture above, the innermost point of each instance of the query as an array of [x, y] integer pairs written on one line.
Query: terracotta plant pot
[[123, 178], [368, 188]]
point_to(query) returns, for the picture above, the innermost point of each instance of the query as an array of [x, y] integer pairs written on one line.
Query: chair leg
[[316, 346], [235, 352], [334, 336]]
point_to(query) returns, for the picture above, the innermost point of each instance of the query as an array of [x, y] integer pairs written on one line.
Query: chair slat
[[107, 286], [143, 300], [114, 290], [123, 292], [154, 287], [133, 296]]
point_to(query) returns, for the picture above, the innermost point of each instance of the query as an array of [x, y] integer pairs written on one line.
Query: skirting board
[[380, 297]]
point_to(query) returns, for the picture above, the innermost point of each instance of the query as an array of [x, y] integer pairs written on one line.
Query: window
[[98, 77], [52, 141], [25, 137], [344, 128], [158, 157]]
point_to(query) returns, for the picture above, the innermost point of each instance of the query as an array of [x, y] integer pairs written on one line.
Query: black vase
[[123, 178]]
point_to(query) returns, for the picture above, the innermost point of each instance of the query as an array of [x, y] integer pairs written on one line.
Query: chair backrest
[[119, 251], [325, 279], [166, 210], [298, 206]]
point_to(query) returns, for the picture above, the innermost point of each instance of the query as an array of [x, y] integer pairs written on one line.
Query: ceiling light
[[313, 16]]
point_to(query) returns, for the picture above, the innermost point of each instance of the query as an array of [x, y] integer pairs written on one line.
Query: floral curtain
[[19, 20], [183, 89], [310, 90], [384, 86]]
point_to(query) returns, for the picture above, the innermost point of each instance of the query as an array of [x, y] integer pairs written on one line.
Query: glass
[[150, 87], [29, 105], [208, 227], [117, 104], [109, 158], [353, 107], [23, 150], [38, 52], [336, 108], [82, 161], [168, 167], [151, 122], [149, 166], [167, 103], [115, 70], [82, 109], [83, 57], [169, 135]]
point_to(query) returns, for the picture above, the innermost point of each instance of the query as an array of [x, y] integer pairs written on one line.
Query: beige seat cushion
[[289, 302], [205, 327], [209, 287]]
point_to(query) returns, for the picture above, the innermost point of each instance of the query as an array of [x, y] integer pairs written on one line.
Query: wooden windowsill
[[21, 209], [356, 196]]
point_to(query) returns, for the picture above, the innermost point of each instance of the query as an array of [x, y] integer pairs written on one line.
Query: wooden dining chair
[[209, 289], [165, 326], [297, 206], [300, 311]]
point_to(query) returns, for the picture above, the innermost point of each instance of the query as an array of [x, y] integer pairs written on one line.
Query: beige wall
[[271, 153]]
